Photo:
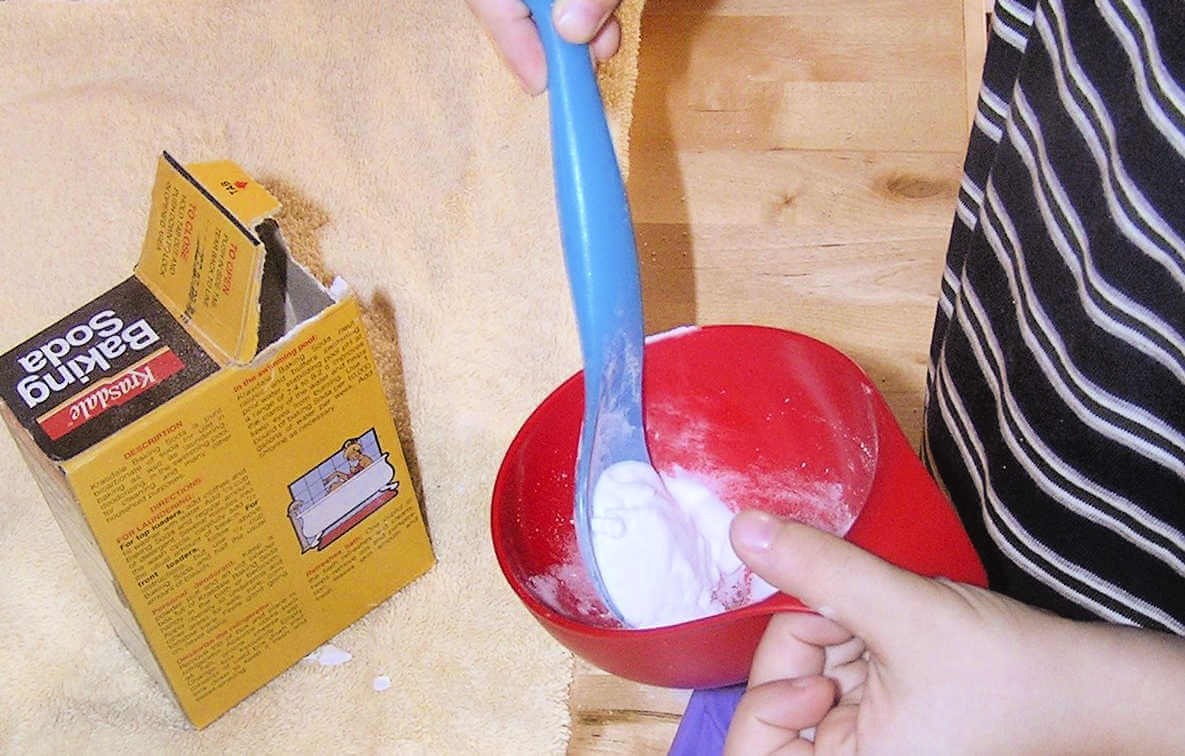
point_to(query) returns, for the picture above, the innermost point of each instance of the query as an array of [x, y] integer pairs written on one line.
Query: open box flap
[[214, 288], [202, 259]]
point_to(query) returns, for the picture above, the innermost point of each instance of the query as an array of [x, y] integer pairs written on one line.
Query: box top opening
[[214, 287]]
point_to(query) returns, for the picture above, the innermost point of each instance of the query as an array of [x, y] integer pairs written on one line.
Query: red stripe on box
[[112, 392], [369, 508]]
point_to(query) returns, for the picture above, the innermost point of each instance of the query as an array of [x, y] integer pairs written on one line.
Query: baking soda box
[[212, 437]]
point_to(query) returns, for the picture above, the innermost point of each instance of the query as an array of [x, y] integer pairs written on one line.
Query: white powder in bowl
[[662, 547]]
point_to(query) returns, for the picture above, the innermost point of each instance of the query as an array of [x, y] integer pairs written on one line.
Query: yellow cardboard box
[[212, 437]]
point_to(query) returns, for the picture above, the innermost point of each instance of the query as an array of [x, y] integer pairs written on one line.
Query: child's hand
[[904, 664], [509, 25]]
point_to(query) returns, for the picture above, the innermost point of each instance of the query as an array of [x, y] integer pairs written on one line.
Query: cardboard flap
[[200, 258], [243, 197]]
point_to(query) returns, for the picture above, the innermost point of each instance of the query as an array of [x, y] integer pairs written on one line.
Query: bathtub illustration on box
[[341, 491]]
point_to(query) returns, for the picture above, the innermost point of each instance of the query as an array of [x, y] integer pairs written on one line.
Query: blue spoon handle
[[595, 227]]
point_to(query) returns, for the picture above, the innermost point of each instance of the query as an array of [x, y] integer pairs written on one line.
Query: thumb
[[870, 597], [578, 21]]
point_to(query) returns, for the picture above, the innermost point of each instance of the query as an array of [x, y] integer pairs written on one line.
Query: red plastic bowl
[[785, 423]]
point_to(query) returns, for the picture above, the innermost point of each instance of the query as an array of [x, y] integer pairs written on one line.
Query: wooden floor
[[793, 163]]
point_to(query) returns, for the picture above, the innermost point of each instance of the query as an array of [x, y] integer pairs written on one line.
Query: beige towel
[[410, 164]]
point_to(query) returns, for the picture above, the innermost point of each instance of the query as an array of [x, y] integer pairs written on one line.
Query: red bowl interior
[[773, 420]]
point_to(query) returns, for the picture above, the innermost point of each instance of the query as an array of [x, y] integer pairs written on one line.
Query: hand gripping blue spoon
[[602, 263]]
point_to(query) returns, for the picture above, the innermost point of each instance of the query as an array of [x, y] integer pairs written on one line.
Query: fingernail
[[755, 531], [576, 21], [531, 87]]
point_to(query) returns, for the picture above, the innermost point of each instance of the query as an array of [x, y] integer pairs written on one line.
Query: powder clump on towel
[[662, 548], [329, 655]]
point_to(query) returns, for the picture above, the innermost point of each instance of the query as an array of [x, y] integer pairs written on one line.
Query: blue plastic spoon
[[602, 263]]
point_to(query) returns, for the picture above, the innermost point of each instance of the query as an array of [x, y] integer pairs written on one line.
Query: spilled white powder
[[662, 547], [329, 655], [672, 333], [339, 289]]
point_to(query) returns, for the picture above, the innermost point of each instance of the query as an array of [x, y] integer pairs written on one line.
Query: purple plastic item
[[705, 722]]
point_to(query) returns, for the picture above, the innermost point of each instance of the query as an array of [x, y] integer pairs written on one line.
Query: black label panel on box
[[99, 369]]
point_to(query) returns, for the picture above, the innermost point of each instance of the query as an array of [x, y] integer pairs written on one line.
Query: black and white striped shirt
[[1055, 409]]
